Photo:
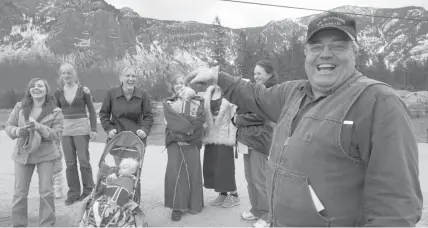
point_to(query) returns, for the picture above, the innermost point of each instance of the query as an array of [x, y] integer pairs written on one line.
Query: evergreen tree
[[242, 54], [219, 49], [262, 52]]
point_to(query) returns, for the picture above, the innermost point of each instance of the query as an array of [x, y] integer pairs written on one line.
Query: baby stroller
[[104, 210]]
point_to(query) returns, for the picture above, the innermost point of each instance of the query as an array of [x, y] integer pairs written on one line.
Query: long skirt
[[219, 168], [183, 179]]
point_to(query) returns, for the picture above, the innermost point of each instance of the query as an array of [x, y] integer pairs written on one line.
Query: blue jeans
[[23, 174], [76, 149], [254, 166]]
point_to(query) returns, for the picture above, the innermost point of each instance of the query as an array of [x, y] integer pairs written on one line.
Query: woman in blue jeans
[[254, 138], [35, 120], [79, 129]]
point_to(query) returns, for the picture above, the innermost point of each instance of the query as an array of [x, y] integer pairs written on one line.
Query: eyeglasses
[[336, 47]]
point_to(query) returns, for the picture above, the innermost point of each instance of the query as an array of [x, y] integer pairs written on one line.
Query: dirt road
[[152, 188]]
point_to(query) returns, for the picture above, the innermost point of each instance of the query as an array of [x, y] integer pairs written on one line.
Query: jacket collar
[[118, 92], [273, 80], [46, 110], [307, 88]]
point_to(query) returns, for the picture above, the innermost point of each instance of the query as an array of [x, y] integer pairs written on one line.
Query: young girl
[[73, 99], [219, 139], [184, 115]]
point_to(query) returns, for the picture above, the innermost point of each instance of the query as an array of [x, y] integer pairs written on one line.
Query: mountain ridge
[[94, 34]]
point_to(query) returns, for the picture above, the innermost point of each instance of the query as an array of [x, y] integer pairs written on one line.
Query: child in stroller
[[119, 186], [116, 197]]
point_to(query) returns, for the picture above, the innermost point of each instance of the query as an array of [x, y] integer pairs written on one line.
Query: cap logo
[[331, 20]]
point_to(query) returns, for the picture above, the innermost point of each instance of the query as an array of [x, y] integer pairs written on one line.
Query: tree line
[[288, 61]]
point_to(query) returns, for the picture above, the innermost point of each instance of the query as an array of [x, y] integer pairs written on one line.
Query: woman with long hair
[[184, 116], [37, 124], [254, 138], [79, 129]]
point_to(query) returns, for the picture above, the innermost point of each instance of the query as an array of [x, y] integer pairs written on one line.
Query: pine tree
[[242, 54], [292, 62], [262, 52], [219, 49]]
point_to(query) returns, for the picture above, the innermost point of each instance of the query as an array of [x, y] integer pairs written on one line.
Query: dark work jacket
[[355, 147]]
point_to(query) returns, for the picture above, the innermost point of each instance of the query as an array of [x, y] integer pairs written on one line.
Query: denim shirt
[[346, 147]]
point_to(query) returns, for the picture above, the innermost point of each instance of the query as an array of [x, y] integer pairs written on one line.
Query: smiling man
[[343, 152]]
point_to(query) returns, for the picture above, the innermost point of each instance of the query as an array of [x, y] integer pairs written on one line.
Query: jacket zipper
[[275, 173]]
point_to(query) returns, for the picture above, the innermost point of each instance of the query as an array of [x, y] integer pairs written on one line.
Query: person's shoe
[[261, 224], [70, 201], [176, 216], [230, 201], [248, 216], [219, 200]]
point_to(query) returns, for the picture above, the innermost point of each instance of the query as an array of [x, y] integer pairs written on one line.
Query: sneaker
[[176, 216], [248, 216], [230, 201], [261, 224], [219, 200], [70, 201]]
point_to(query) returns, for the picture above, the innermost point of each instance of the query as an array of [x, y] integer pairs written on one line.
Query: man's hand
[[203, 75], [141, 134]]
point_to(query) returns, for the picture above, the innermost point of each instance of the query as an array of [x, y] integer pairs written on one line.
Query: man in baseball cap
[[344, 152], [333, 20]]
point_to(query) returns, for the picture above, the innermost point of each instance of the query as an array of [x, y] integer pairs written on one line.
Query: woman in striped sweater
[[73, 99]]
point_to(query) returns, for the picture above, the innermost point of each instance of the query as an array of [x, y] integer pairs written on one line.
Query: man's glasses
[[336, 47]]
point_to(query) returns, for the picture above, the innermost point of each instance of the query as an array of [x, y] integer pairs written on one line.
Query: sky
[[239, 15]]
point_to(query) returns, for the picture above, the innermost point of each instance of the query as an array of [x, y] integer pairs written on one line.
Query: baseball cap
[[333, 20]]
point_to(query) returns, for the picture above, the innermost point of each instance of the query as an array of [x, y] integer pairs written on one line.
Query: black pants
[[219, 168]]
